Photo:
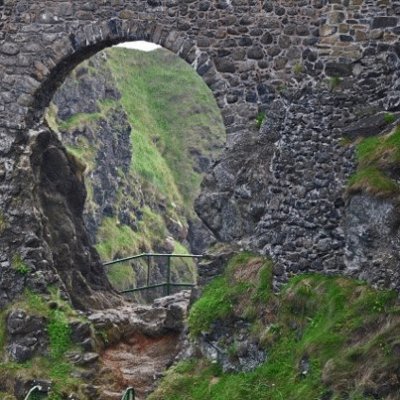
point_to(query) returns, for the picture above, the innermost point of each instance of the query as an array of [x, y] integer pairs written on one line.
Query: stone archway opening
[[47, 231], [142, 129]]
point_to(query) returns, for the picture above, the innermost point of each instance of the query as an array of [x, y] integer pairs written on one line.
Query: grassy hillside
[[176, 128], [173, 114], [327, 338]]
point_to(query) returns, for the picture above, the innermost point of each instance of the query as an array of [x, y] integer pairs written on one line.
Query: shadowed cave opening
[[142, 129]]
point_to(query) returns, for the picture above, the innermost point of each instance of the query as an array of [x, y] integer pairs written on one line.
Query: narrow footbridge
[[167, 262]]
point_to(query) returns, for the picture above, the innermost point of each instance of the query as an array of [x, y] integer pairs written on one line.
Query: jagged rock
[[373, 239], [369, 126], [80, 331], [215, 345], [89, 358], [214, 263], [165, 315], [26, 335]]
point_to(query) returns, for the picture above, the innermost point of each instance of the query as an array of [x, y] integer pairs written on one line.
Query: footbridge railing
[[39, 393], [129, 394], [168, 284]]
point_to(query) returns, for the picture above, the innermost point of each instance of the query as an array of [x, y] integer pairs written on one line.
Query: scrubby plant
[[260, 119], [334, 82], [389, 118], [54, 365], [298, 68], [3, 223], [221, 295], [19, 265]]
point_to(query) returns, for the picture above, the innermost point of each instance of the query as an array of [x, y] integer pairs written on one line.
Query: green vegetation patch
[[247, 280], [377, 156], [389, 118], [55, 365], [345, 332], [19, 265], [260, 119], [3, 223], [173, 113]]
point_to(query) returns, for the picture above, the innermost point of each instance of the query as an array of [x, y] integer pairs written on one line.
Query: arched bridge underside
[[247, 51]]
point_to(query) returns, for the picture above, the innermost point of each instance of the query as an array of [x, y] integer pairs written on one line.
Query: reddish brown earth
[[139, 362]]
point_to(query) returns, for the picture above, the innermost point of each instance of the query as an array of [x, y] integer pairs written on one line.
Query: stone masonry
[[321, 64]]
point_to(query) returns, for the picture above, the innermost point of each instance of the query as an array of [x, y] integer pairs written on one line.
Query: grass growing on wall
[[346, 331], [377, 156]]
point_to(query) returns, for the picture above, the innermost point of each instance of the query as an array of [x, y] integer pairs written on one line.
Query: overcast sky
[[139, 45]]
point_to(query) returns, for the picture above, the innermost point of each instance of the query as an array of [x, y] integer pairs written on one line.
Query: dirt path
[[138, 362]]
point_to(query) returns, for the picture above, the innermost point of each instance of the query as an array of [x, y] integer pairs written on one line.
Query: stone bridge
[[254, 55]]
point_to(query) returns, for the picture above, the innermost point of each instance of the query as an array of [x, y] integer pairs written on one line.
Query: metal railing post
[[129, 394], [169, 275], [34, 392], [148, 271]]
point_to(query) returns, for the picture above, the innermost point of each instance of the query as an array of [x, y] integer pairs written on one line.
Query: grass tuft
[[19, 265], [377, 156], [260, 119], [389, 118]]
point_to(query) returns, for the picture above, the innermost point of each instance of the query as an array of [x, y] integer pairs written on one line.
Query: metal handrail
[[168, 284], [119, 260], [34, 390], [129, 394]]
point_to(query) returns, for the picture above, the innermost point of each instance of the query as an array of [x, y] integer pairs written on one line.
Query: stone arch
[[93, 38], [54, 185]]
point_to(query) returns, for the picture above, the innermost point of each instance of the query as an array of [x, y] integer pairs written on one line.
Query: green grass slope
[[175, 121], [378, 160], [346, 331], [173, 113]]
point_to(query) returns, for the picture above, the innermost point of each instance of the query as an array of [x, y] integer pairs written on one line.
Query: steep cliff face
[[144, 144], [52, 179]]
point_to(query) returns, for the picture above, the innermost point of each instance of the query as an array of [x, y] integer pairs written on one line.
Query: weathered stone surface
[[369, 126], [285, 191], [373, 240], [384, 22], [338, 69], [27, 335]]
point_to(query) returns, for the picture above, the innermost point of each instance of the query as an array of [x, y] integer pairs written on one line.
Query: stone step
[[108, 395]]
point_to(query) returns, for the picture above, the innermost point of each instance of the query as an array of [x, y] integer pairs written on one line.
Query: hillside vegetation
[[176, 131], [174, 118], [329, 338]]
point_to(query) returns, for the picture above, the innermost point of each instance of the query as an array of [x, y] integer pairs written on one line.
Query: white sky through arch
[[139, 45]]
